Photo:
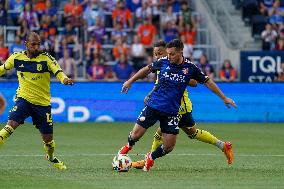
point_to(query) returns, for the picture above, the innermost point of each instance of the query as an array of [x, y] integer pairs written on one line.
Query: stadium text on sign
[[265, 64], [260, 66], [75, 113]]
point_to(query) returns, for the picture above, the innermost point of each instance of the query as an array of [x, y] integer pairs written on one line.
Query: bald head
[[33, 44], [31, 36]]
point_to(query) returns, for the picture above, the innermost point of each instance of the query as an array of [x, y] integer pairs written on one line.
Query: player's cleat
[[138, 164], [148, 162], [57, 163], [228, 152], [125, 149]]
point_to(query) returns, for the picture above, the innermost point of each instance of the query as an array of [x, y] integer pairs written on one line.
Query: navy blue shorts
[[168, 123], [186, 120], [41, 115]]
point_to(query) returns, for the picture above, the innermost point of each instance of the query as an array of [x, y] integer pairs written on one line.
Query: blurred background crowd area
[[110, 40]]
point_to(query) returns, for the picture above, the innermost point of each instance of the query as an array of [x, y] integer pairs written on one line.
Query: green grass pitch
[[87, 149]]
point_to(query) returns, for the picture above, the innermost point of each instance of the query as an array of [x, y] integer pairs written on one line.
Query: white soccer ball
[[121, 163]]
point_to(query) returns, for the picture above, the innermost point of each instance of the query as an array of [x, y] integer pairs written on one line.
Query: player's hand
[[68, 81], [125, 87], [229, 102], [2, 104], [146, 99], [192, 83]]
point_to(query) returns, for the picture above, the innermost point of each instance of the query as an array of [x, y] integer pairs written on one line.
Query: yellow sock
[[49, 149], [204, 136], [5, 133], [157, 141]]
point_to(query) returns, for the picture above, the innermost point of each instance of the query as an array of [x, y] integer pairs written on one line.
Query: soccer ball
[[121, 163]]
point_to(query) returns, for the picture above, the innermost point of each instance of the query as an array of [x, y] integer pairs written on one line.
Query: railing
[[225, 21]]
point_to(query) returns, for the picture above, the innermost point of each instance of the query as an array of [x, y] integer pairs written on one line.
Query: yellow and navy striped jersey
[[34, 75], [185, 105]]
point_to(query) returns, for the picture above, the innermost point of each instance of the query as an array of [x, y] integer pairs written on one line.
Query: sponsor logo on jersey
[[39, 67]]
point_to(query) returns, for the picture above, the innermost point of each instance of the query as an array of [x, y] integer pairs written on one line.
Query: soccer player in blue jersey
[[164, 102], [34, 69], [186, 123]]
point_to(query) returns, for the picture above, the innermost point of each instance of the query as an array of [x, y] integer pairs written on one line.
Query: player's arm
[[215, 89], [199, 76], [8, 65], [139, 75], [57, 71]]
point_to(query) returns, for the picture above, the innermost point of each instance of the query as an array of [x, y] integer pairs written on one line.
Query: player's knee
[[13, 124], [47, 138], [190, 131]]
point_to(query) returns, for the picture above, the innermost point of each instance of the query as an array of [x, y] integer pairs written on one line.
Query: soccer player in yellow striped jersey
[[186, 123], [33, 94]]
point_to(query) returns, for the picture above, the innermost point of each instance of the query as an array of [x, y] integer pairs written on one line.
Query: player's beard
[[34, 53]]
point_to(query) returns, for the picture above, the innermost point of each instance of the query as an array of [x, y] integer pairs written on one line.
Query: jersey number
[[48, 118], [173, 121]]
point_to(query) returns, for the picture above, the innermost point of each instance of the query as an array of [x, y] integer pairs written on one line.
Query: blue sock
[[159, 152]]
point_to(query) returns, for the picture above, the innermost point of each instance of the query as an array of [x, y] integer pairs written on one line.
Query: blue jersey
[[173, 80]]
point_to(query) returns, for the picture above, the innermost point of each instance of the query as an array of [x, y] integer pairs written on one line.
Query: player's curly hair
[[177, 43]]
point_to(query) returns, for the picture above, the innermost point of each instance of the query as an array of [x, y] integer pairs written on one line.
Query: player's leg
[[165, 148], [187, 124], [169, 141], [49, 148], [157, 141], [8, 130], [145, 120], [134, 135], [170, 129], [17, 116], [41, 116]]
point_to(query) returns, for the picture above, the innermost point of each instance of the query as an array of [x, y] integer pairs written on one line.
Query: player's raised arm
[[139, 75], [215, 89], [8, 65], [57, 71], [199, 76]]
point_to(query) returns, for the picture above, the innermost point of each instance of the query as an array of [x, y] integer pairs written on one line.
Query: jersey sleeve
[[198, 75], [155, 66], [8, 65], [54, 67]]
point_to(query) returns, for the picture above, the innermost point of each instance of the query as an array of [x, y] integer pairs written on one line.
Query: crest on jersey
[[185, 71], [39, 67]]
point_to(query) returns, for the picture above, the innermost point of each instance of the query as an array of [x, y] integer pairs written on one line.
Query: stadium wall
[[90, 102]]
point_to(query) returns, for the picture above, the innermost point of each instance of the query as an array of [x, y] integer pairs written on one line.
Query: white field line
[[91, 155]]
